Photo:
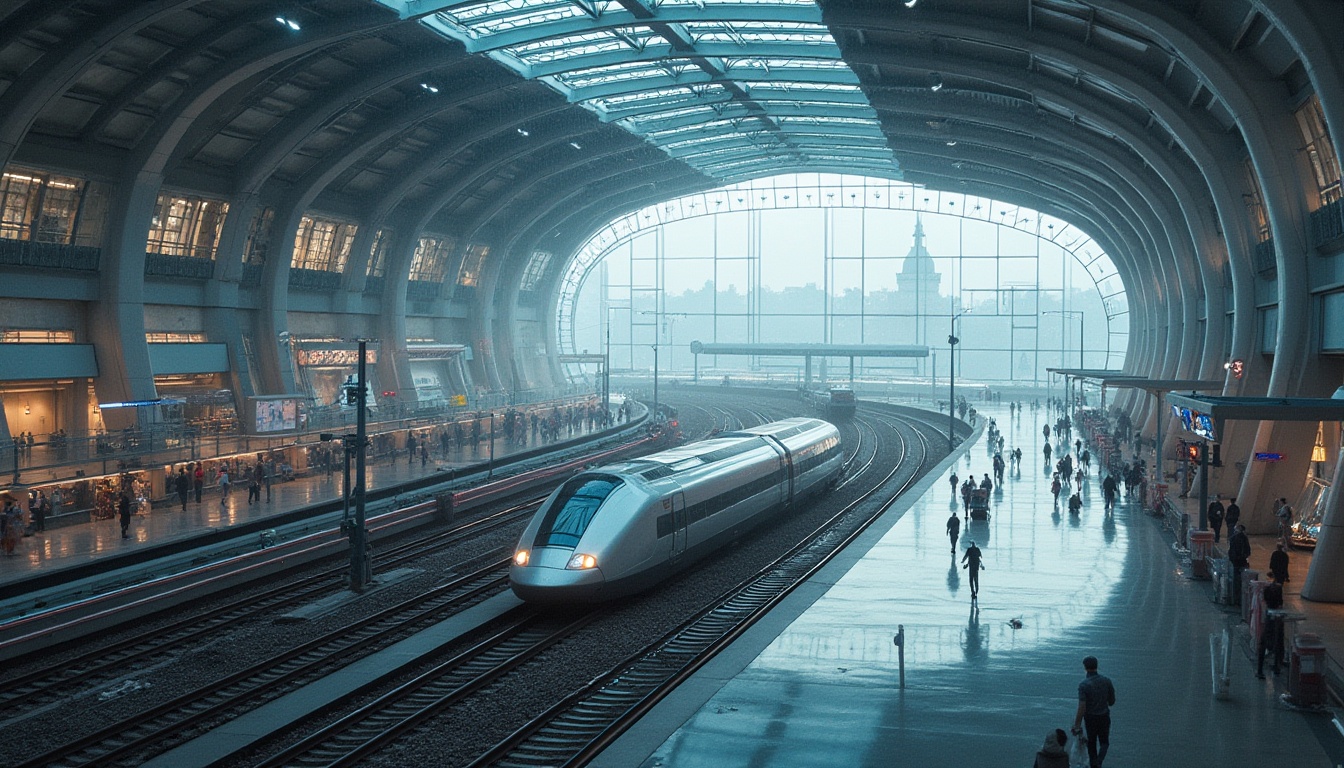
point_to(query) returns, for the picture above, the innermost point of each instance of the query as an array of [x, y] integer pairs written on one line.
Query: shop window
[[186, 226], [1320, 151], [36, 336], [323, 245], [174, 337], [470, 273], [40, 207], [378, 252], [430, 263]]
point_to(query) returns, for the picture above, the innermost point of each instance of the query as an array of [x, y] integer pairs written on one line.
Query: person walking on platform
[[1075, 504], [1215, 515], [1271, 631], [1278, 563], [953, 530], [41, 506], [124, 511], [11, 527], [971, 562], [1108, 490], [223, 484], [182, 486], [953, 481], [1239, 553], [1284, 514], [1096, 696], [198, 481], [1232, 516]]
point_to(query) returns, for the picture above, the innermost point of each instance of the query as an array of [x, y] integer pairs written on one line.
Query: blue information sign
[[1269, 457]]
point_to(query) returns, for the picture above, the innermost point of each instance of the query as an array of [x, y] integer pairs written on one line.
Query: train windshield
[[574, 508]]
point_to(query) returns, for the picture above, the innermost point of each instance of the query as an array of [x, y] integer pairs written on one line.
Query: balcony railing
[[189, 267], [1327, 223], [314, 280], [422, 290], [374, 285], [1263, 257], [25, 253]]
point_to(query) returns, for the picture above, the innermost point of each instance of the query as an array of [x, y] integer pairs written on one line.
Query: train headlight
[[521, 557], [582, 562]]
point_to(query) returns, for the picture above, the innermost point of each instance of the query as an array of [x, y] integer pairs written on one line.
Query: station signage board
[[1269, 457]]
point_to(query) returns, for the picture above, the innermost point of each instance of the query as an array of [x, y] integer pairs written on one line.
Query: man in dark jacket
[[1216, 518], [124, 509], [182, 485], [1096, 696], [1233, 515]]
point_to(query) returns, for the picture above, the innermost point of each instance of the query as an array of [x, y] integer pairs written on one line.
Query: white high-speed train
[[622, 528]]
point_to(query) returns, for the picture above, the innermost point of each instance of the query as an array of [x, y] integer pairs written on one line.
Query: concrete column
[[117, 318], [1324, 583]]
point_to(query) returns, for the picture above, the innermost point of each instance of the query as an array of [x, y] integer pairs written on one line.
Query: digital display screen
[[1187, 420], [1202, 425], [277, 415]]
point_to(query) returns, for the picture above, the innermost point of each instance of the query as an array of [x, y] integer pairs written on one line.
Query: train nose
[[548, 579]]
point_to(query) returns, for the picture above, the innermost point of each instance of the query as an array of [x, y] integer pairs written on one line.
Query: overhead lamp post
[[606, 364], [1082, 320], [952, 342]]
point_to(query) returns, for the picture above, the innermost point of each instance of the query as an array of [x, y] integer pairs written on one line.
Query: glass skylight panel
[[481, 19], [634, 70], [587, 44], [761, 77]]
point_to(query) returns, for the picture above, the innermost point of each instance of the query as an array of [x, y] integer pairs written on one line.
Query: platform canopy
[[1220, 409], [1086, 373], [811, 350], [1155, 386]]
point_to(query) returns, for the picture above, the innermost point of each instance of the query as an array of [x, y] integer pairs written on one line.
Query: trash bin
[[1249, 580], [1306, 671], [1201, 544]]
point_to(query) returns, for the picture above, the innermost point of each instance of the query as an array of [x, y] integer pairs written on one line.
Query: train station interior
[[497, 238]]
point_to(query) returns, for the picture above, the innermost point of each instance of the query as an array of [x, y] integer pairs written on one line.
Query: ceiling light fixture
[[522, 132], [935, 82], [952, 143], [910, 3], [430, 88], [575, 145], [292, 24]]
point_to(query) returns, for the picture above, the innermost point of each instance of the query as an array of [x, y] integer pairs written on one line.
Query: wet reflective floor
[[986, 679]]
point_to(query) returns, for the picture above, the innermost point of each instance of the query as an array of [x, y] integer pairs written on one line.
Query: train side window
[[574, 508]]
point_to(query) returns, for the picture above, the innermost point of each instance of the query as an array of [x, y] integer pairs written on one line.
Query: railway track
[[128, 742], [580, 726], [26, 692]]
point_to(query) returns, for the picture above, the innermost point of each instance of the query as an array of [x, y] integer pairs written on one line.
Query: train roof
[[715, 449], [784, 428]]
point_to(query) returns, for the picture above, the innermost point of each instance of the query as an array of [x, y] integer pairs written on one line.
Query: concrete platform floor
[[820, 685]]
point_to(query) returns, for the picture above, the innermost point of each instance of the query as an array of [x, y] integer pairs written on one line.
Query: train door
[[678, 525]]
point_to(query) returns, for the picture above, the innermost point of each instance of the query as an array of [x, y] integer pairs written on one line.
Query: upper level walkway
[[817, 683]]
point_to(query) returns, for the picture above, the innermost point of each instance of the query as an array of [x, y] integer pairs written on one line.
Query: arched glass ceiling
[[733, 88], [844, 191]]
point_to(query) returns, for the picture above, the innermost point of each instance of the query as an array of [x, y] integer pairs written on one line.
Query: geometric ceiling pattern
[[733, 88]]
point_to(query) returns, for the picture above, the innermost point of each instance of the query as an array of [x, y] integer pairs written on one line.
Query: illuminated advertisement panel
[[277, 415]]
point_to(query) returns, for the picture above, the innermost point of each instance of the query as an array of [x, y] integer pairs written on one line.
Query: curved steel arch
[[750, 197]]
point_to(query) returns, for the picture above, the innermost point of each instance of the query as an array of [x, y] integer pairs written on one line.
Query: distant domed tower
[[917, 290]]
